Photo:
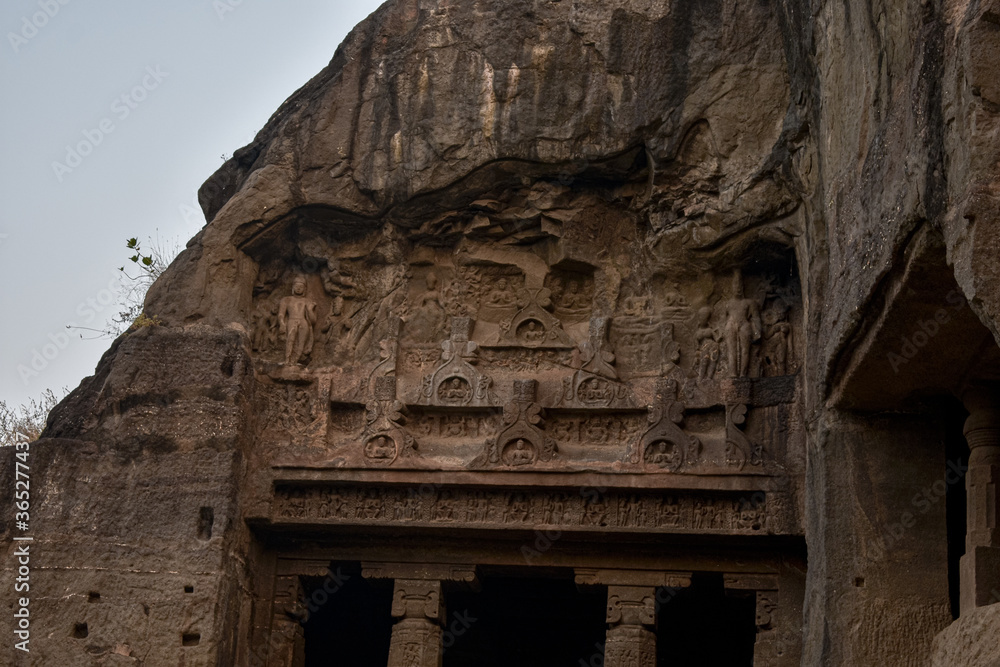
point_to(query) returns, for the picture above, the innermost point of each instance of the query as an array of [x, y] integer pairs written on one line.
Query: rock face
[[662, 301]]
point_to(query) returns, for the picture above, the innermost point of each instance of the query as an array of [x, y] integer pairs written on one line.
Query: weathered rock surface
[[466, 178]]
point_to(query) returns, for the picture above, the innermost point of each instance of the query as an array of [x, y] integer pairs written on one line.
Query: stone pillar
[[418, 607], [767, 648], [778, 618], [631, 641], [980, 566], [287, 644]]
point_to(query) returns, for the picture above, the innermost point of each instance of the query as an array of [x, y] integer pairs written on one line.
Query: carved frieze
[[584, 510]]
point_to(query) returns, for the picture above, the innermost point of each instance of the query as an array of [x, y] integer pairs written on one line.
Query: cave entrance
[[349, 623], [705, 624], [525, 621]]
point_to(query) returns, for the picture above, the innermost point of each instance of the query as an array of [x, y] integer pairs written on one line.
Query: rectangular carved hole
[[93, 596], [206, 517], [189, 589], [80, 631], [190, 639]]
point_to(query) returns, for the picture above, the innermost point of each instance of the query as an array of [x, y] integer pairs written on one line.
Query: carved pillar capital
[[631, 618], [418, 598], [418, 607]]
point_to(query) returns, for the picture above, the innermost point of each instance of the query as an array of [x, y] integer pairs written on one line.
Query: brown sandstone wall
[[853, 124]]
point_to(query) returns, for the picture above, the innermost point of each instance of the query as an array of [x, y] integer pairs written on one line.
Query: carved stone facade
[[595, 319]]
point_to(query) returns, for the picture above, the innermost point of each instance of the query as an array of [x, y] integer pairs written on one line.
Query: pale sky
[[116, 112]]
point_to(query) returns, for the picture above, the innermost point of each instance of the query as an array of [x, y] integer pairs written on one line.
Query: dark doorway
[[525, 622], [702, 626], [350, 619]]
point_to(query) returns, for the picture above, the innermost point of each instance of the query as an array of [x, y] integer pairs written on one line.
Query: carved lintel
[[458, 573], [655, 578], [665, 445], [299, 504], [521, 442], [744, 581]]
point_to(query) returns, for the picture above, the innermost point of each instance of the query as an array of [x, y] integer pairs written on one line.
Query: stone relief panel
[[640, 365], [587, 509]]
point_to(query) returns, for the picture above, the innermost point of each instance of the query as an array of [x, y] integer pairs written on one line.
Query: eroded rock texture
[[704, 284]]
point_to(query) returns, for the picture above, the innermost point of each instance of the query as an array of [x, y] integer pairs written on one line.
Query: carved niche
[[521, 441]]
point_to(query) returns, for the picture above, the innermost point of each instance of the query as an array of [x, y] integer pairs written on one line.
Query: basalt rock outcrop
[[686, 313]]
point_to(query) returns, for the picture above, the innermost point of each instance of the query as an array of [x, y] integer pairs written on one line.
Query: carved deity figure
[[265, 326], [777, 341], [518, 508], [296, 318], [665, 455], [533, 332], [427, 322], [636, 306], [573, 298], [673, 298], [338, 283], [381, 448], [501, 296], [521, 454], [454, 390], [742, 329], [707, 339], [336, 325]]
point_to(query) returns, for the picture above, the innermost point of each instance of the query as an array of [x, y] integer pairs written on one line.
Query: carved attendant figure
[[707, 339], [777, 341], [742, 328], [427, 322], [296, 318], [336, 325]]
